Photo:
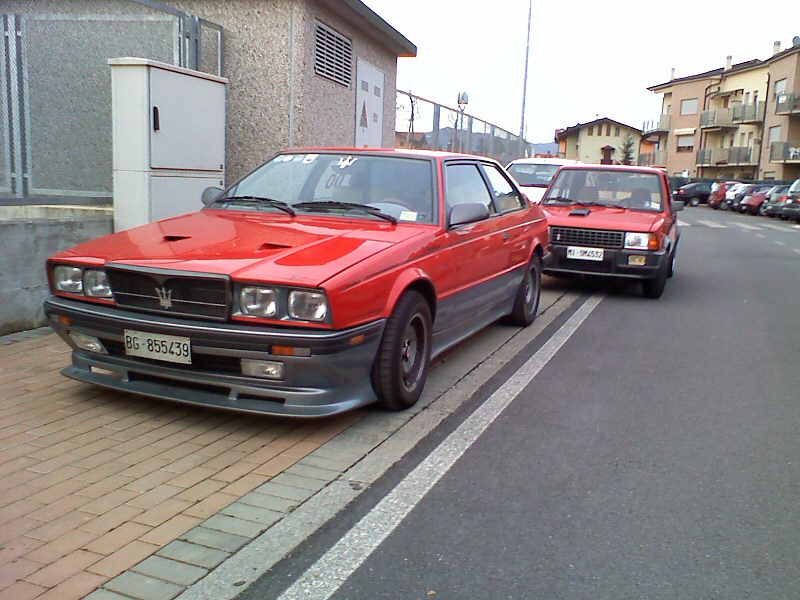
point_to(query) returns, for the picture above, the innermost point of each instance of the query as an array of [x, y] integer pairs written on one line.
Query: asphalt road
[[654, 456]]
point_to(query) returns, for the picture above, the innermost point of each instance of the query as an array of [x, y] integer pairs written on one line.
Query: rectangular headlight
[[640, 241], [258, 301], [95, 283], [68, 279], [307, 306]]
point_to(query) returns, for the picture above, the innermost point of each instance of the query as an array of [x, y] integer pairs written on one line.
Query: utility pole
[[525, 78]]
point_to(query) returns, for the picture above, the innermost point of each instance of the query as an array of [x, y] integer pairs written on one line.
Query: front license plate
[[169, 348], [584, 253]]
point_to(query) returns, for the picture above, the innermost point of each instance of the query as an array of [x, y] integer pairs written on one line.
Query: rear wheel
[[694, 201], [401, 365], [526, 302]]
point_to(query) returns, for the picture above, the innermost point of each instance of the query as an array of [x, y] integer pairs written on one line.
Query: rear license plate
[[584, 253], [169, 348]]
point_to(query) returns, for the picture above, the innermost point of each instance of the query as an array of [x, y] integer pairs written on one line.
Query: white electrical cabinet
[[168, 138]]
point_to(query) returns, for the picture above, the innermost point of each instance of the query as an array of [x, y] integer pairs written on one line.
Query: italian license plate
[[169, 348], [584, 253]]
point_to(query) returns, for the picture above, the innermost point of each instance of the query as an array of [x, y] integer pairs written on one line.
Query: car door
[[477, 251]]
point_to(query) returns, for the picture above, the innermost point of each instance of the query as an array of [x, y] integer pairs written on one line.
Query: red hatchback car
[[324, 280], [614, 221]]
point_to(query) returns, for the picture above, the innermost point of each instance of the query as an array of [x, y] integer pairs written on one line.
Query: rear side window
[[464, 185]]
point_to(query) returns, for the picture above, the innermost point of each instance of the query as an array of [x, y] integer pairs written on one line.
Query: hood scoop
[[273, 246], [579, 212], [176, 238]]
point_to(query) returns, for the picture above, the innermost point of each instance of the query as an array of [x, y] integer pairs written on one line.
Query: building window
[[608, 129], [780, 87], [774, 134], [333, 55], [616, 131], [685, 143], [689, 106], [591, 130]]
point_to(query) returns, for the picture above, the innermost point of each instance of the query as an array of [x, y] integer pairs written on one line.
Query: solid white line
[[712, 224], [327, 575], [747, 226]]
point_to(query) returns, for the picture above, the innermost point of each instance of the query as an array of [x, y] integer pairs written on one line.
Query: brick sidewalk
[[94, 481]]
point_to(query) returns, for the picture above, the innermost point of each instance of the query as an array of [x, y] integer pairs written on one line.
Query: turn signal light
[[289, 351], [652, 243]]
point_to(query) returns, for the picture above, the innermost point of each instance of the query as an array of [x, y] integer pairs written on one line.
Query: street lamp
[[463, 100]]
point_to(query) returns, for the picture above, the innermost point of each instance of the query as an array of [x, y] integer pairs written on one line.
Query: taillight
[[681, 192]]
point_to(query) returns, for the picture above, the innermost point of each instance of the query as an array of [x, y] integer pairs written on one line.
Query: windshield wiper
[[557, 199], [593, 203], [328, 204], [279, 204]]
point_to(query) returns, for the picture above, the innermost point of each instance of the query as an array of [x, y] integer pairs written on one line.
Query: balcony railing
[[741, 155], [716, 118], [709, 157], [787, 104], [784, 151], [653, 159], [660, 125], [749, 113]]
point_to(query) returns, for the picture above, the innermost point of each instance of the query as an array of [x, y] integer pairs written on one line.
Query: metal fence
[[422, 124], [55, 85]]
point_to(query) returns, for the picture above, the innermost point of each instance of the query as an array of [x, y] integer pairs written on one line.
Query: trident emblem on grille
[[164, 297]]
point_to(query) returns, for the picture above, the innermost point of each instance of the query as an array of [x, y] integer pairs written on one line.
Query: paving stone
[[170, 570], [212, 538], [284, 491], [299, 481], [253, 513], [235, 525], [270, 502], [143, 587], [333, 462], [193, 554], [103, 594], [305, 470]]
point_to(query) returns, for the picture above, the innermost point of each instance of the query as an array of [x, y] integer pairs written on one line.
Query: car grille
[[168, 292], [228, 365], [575, 236]]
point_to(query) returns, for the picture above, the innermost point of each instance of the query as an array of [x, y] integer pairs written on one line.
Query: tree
[[626, 150]]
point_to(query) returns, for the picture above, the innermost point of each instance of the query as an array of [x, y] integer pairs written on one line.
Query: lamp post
[[525, 79], [463, 100]]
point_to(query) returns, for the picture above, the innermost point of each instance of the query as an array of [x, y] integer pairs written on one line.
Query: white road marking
[[683, 224], [773, 226], [327, 575], [747, 226], [796, 250], [761, 235], [780, 243], [712, 224]]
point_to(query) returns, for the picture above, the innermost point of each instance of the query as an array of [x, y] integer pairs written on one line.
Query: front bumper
[[333, 379], [614, 263]]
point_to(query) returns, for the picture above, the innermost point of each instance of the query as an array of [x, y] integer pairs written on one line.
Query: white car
[[535, 174]]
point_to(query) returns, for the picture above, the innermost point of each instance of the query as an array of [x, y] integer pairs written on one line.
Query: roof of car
[[554, 160], [395, 151], [625, 168]]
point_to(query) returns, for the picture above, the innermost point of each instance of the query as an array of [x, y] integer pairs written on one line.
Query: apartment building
[[741, 121], [598, 141]]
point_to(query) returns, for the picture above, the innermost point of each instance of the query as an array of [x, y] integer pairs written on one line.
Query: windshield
[[623, 189], [397, 186], [537, 175]]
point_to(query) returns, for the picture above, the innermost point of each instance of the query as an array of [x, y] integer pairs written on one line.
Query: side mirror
[[210, 194], [471, 212], [678, 205]]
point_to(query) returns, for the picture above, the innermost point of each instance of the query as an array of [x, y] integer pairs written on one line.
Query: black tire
[[724, 206], [671, 269], [401, 365], [653, 288], [694, 201], [526, 302]]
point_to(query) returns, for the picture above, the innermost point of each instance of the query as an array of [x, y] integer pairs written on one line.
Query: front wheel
[[401, 365], [526, 302], [653, 288], [694, 201]]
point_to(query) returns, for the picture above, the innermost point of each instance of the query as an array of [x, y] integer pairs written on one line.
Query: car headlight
[[258, 301], [68, 279], [641, 241], [95, 284], [307, 306]]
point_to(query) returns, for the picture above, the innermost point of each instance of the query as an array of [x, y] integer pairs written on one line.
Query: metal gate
[[55, 86]]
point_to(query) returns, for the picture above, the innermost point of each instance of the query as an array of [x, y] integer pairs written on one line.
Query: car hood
[[248, 246], [601, 217]]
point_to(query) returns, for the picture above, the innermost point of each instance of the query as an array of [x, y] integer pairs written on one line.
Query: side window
[[505, 197], [463, 185]]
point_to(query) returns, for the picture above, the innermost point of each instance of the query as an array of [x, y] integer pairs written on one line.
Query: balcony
[[785, 152], [716, 119], [711, 157], [653, 159], [741, 155], [749, 113], [660, 125], [788, 104]]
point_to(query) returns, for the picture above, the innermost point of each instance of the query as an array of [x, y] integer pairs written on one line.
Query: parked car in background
[[754, 203], [775, 200], [791, 208], [745, 193], [718, 191], [730, 195], [613, 221], [322, 281], [535, 174], [693, 194]]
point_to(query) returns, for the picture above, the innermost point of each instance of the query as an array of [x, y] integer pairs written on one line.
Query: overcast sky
[[587, 57]]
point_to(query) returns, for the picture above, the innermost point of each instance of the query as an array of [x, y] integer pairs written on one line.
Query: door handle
[[506, 237]]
